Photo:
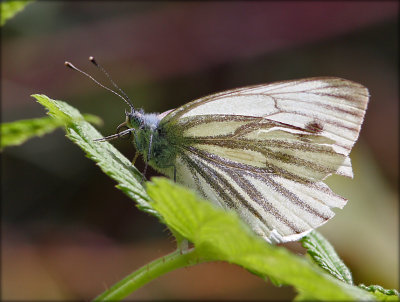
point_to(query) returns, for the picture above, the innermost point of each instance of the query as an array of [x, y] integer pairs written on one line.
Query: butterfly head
[[139, 120]]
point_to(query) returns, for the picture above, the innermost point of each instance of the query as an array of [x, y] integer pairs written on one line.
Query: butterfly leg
[[174, 173], [144, 173], [114, 136], [135, 157], [148, 157]]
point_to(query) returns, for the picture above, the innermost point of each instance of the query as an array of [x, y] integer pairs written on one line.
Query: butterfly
[[262, 151]]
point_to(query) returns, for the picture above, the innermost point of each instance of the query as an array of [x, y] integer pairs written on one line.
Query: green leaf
[[220, 235], [109, 159], [306, 297], [10, 8], [382, 294], [18, 132], [323, 253], [147, 273]]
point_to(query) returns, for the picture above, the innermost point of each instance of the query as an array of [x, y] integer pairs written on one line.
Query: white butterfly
[[262, 151]]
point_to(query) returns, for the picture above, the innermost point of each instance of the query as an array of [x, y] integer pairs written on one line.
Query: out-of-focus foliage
[[9, 8], [15, 133], [18, 132]]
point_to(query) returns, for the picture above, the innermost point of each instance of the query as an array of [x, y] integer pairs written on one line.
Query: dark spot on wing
[[314, 126]]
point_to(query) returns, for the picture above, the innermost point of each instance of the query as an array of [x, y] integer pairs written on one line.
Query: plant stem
[[148, 272]]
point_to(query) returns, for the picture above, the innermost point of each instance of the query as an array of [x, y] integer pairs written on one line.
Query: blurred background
[[68, 233]]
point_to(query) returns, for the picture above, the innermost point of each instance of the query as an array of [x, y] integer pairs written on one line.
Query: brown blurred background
[[67, 233]]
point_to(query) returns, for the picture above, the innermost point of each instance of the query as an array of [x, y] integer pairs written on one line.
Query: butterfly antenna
[[126, 100], [91, 59]]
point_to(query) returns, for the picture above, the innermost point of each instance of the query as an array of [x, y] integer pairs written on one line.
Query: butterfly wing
[[264, 150]]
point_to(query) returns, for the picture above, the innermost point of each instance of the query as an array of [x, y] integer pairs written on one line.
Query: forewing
[[331, 107]]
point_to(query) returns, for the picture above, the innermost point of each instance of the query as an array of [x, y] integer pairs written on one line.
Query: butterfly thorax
[[152, 141]]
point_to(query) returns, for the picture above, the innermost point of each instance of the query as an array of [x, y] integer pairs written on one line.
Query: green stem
[[147, 273]]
